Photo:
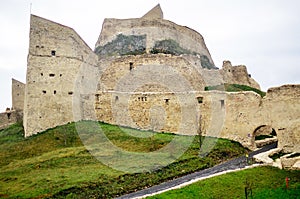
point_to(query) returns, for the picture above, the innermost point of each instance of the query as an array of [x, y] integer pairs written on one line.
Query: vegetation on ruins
[[123, 45], [56, 164], [235, 88], [169, 46]]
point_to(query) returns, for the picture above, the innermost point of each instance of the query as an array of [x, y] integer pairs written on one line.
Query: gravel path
[[234, 164]]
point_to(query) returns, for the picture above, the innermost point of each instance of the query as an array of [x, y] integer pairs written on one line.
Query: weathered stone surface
[[66, 81], [18, 95], [8, 118], [237, 75], [154, 13], [56, 53]]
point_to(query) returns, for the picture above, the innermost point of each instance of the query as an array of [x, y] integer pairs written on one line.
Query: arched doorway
[[264, 135]]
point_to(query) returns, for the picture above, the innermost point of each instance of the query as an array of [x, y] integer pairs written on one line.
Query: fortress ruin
[[145, 73]]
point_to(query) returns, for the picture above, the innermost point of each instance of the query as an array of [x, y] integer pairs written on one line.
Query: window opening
[[8, 115], [44, 92], [117, 98], [51, 75], [222, 103], [167, 101], [70, 93], [97, 97], [200, 100], [53, 52], [54, 92], [130, 65]]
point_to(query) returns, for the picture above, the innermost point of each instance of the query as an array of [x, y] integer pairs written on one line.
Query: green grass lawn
[[265, 182], [55, 163]]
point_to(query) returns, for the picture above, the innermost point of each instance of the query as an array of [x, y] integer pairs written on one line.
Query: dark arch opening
[[264, 135]]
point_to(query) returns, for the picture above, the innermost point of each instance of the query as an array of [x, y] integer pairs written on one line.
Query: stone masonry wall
[[155, 30], [66, 81], [129, 73], [8, 118], [56, 54], [161, 112], [237, 75], [281, 105], [18, 95]]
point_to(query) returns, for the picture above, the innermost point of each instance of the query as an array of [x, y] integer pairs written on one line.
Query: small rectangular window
[[167, 101], [200, 100], [70, 93], [8, 115], [53, 52], [51, 75], [130, 66], [44, 92], [222, 103]]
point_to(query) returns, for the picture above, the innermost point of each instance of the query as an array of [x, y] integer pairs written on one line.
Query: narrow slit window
[[54, 92], [116, 98], [51, 75], [70, 93], [130, 65], [222, 103]]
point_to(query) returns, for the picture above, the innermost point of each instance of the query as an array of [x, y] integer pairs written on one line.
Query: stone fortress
[[145, 73]]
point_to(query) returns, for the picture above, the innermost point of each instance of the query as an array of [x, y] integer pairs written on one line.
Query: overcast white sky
[[263, 35]]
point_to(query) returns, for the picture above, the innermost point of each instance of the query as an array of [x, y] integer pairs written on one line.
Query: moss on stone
[[169, 46], [123, 45], [205, 62]]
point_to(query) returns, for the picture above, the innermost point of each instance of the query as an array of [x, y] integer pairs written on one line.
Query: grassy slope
[[56, 164], [234, 88], [266, 182]]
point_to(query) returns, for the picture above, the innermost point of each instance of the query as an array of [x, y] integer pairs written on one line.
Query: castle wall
[[18, 95], [155, 30], [161, 112], [129, 73], [8, 118], [237, 75], [282, 105], [67, 82], [56, 54]]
